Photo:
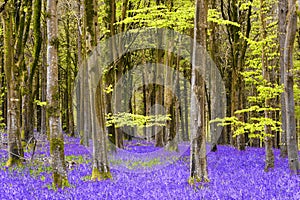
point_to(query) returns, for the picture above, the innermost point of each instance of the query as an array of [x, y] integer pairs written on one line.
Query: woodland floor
[[142, 171]]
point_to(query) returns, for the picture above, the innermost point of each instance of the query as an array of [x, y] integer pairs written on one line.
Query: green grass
[[87, 178], [137, 164], [77, 159]]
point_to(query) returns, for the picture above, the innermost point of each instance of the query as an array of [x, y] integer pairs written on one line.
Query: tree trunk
[[68, 79], [100, 161], [117, 105], [44, 77], [56, 137], [146, 102], [179, 103], [213, 101], [15, 150], [292, 144], [282, 12], [100, 168], [29, 91], [159, 133], [185, 105], [2, 92], [238, 47], [198, 158], [266, 75], [171, 142]]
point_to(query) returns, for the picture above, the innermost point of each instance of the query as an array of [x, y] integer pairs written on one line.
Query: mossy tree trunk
[[110, 19], [22, 31], [15, 149], [81, 111], [68, 100], [178, 102], [118, 68], [79, 123], [2, 90], [59, 175], [19, 30], [29, 93], [169, 99], [101, 169], [198, 158], [100, 166], [213, 101], [43, 71]]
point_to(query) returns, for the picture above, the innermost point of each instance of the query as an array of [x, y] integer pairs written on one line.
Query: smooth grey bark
[[282, 12], [269, 162], [100, 166], [56, 137], [198, 158], [292, 144]]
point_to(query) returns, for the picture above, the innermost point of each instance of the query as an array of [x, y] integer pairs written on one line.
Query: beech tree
[[55, 130], [29, 90], [291, 134], [100, 165], [267, 76], [198, 159], [282, 12], [12, 75]]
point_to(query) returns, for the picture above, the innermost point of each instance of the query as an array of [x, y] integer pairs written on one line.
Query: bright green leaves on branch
[[254, 127], [259, 73], [40, 103], [215, 16], [178, 17], [129, 119]]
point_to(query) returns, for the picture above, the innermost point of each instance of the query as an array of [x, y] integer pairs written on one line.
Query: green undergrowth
[[77, 159], [133, 164], [38, 167], [87, 178], [130, 164]]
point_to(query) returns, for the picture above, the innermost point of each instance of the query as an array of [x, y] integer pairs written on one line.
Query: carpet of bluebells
[[142, 171]]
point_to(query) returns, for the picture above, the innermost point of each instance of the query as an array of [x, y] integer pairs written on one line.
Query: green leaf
[[40, 103]]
